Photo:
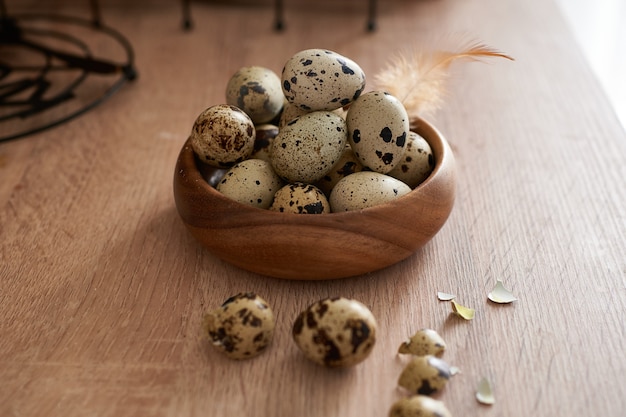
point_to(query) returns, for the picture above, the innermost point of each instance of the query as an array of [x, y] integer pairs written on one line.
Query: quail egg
[[425, 375], [319, 79], [335, 332], [378, 126], [223, 135], [365, 189], [265, 134], [252, 182], [257, 91], [242, 327], [419, 406], [308, 146], [300, 198], [424, 342], [416, 164], [347, 164]]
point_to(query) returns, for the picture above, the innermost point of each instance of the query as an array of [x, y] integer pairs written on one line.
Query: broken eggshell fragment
[[242, 327]]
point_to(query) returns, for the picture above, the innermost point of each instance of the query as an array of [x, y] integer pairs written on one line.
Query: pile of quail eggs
[[310, 141], [334, 332]]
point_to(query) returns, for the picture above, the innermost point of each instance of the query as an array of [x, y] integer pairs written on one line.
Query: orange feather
[[418, 78]]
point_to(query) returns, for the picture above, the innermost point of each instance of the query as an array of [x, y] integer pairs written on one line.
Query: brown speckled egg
[[318, 79], [425, 375], [252, 182], [257, 91], [308, 146], [265, 133], [347, 164], [300, 198], [223, 135], [335, 332], [242, 327], [424, 342], [419, 406], [365, 189], [416, 164], [378, 126]]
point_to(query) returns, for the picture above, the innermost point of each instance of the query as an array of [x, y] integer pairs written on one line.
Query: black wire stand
[[55, 68]]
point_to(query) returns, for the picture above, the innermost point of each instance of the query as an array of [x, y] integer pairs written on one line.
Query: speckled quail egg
[[378, 126], [223, 135], [308, 146], [419, 406], [300, 198], [416, 164], [335, 332], [290, 112], [425, 375], [257, 91], [252, 182], [424, 342], [347, 164], [242, 327], [319, 79], [265, 134], [365, 189]]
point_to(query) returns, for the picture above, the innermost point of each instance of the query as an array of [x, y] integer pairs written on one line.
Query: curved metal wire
[[85, 63]]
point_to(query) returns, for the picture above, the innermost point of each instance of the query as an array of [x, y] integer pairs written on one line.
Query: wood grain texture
[[102, 288]]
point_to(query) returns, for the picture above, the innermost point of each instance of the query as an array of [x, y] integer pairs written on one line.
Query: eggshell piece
[[308, 146], [365, 189], [319, 79], [300, 198], [252, 182], [335, 332], [378, 127], [223, 135], [257, 91], [416, 164], [242, 327]]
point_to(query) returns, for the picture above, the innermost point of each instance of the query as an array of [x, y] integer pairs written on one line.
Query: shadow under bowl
[[316, 246]]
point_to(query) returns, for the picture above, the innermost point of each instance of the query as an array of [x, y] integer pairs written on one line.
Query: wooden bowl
[[316, 246]]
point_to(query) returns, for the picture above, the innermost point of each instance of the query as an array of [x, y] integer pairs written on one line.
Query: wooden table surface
[[103, 290]]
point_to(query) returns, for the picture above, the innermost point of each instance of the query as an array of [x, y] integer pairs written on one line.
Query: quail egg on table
[[252, 182], [319, 79], [257, 91], [242, 327], [378, 126], [419, 406], [424, 342], [300, 198], [416, 164], [335, 332], [425, 375], [308, 146], [365, 189], [223, 135]]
